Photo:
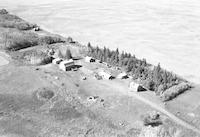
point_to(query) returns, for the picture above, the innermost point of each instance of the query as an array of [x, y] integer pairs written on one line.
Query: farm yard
[[53, 89]]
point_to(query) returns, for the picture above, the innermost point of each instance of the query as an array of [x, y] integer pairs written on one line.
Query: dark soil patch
[[63, 110], [44, 94]]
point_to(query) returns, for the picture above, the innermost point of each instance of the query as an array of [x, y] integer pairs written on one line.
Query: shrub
[[152, 119], [3, 11], [70, 40], [175, 91], [51, 40], [44, 94], [17, 41], [24, 26]]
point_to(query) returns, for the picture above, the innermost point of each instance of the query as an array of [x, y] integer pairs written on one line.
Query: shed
[[89, 59], [136, 87], [57, 61], [122, 75], [66, 65], [105, 75]]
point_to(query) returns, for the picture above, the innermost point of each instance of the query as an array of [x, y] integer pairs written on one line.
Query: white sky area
[[165, 31]]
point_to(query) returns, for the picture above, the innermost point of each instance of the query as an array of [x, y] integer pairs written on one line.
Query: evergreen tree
[[68, 54]]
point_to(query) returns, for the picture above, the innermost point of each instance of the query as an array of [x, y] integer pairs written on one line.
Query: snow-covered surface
[[160, 31], [3, 61]]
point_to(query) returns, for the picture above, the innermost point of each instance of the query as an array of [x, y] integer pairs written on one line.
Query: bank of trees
[[152, 77]]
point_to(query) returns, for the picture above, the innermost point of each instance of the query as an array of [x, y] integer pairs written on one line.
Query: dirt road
[[164, 111]]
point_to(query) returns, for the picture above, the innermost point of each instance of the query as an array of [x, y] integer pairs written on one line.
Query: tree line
[[152, 77]]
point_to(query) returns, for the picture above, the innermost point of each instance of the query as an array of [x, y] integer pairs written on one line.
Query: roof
[[105, 74], [87, 58], [121, 75], [136, 87], [66, 62], [57, 59]]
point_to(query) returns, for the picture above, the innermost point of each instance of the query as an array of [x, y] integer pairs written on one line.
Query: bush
[[17, 41], [44, 94], [70, 40], [33, 57], [175, 91], [51, 40], [24, 26], [152, 119], [3, 11]]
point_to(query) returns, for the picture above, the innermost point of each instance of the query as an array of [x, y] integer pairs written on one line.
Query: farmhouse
[[57, 61], [89, 59], [122, 75], [136, 87], [66, 65], [105, 75]]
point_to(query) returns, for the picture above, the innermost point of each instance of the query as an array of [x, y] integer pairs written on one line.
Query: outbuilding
[[136, 87], [89, 59], [57, 61], [122, 75], [105, 75], [67, 65]]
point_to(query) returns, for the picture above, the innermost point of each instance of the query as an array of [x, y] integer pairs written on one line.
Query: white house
[[66, 65], [89, 59], [136, 87], [105, 75], [122, 75], [57, 61]]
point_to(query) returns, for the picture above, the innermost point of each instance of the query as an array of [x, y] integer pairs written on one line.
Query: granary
[[66, 65], [89, 59], [122, 75], [136, 87], [105, 75], [57, 61]]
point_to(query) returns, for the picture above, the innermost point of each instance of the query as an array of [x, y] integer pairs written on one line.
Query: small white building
[[136, 87], [105, 75], [57, 61], [122, 75], [66, 65], [89, 59]]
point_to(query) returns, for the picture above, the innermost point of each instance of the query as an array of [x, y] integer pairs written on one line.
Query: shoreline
[[191, 78], [180, 72]]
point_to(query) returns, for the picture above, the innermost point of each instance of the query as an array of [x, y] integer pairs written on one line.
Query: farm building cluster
[[106, 75], [69, 64]]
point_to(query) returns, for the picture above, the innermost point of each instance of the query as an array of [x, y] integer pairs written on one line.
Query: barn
[[136, 87], [66, 65]]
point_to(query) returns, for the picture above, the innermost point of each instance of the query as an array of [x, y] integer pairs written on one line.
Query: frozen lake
[[160, 31]]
